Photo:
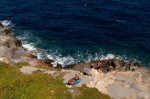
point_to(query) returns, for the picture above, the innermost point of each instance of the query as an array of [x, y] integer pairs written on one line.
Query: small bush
[[91, 93], [39, 71], [14, 85], [21, 64], [4, 65]]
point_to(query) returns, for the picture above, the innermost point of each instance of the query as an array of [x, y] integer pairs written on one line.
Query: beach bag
[[99, 71]]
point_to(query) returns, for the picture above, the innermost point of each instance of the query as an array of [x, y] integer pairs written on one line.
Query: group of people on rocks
[[99, 68], [99, 64], [73, 80]]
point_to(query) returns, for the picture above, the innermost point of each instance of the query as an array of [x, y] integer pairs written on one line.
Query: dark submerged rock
[[48, 61], [59, 66], [137, 64]]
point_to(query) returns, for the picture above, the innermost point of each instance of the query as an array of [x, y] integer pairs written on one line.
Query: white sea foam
[[66, 60], [60, 59], [39, 55], [108, 56], [81, 58], [7, 23], [26, 36], [26, 44], [121, 21], [29, 46]]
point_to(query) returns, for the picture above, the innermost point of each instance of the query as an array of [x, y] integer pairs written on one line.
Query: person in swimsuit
[[98, 65], [92, 65], [73, 80]]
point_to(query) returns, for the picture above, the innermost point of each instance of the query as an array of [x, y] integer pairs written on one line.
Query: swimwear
[[98, 68]]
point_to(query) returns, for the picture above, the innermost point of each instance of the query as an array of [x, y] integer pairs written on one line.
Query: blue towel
[[77, 81]]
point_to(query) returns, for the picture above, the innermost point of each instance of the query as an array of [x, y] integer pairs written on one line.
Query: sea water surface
[[71, 31]]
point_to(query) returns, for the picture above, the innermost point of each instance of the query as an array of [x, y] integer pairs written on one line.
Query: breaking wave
[[64, 60], [7, 23]]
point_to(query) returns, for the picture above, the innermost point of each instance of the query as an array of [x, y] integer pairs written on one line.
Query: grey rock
[[87, 71], [5, 52], [120, 92], [124, 78], [59, 66], [141, 90], [19, 53]]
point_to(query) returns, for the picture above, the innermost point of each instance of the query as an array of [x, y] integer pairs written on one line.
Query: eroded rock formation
[[10, 46]]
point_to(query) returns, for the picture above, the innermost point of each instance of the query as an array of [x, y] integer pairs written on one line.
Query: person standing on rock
[[92, 65], [99, 64]]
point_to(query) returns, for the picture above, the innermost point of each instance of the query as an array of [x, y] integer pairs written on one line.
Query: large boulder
[[137, 64], [59, 66], [48, 61], [106, 64], [118, 63], [79, 67]]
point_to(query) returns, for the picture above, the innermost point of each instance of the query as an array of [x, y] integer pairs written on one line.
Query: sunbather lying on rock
[[73, 80]]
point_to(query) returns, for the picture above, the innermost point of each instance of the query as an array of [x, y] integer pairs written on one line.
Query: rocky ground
[[125, 81]]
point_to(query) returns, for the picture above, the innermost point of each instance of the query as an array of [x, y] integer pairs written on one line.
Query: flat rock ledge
[[118, 85], [31, 70]]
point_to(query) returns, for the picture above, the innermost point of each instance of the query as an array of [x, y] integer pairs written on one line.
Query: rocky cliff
[[12, 51], [123, 81], [10, 46]]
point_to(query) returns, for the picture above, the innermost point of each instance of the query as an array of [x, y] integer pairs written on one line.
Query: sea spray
[[56, 55], [31, 43]]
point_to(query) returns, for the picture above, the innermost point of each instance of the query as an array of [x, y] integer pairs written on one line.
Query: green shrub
[[14, 85], [4, 65], [21, 64], [91, 93], [39, 71]]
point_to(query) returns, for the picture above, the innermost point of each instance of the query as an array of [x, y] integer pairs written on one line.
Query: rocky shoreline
[[125, 81]]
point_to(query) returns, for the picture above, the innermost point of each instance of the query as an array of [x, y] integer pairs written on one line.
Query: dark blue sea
[[72, 31]]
